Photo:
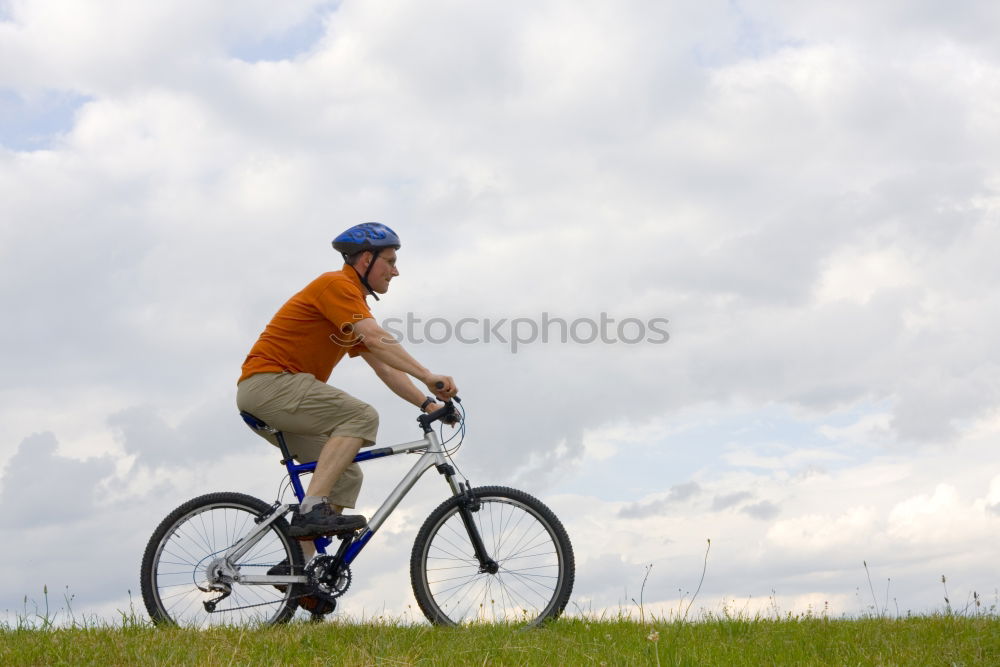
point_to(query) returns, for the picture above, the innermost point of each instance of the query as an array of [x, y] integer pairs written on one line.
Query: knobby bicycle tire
[[190, 537], [526, 539]]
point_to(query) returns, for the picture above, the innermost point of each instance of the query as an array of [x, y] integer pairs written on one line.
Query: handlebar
[[443, 413]]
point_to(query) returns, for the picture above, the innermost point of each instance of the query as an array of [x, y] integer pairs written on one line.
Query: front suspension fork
[[467, 505]]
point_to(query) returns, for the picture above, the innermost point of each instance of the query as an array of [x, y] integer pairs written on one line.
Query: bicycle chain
[[257, 604], [329, 597]]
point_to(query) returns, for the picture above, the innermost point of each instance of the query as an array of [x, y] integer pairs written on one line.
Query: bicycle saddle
[[254, 423]]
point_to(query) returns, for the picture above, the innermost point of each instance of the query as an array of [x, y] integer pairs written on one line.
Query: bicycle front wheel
[[177, 568], [524, 537]]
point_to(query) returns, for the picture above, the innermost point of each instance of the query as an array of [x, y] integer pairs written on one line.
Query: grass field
[[807, 640]]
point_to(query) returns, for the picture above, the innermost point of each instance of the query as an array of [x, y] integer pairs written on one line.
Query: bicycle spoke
[[529, 584], [531, 587], [471, 580], [196, 541], [454, 546], [522, 602]]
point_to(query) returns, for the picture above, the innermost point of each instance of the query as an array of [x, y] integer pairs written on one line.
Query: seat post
[[293, 476], [287, 458]]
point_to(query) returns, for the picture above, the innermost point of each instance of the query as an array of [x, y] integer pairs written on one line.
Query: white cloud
[[858, 275], [874, 430], [788, 457], [937, 518], [811, 534], [808, 194]]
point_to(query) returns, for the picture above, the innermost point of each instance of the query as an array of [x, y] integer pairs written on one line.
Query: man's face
[[383, 271]]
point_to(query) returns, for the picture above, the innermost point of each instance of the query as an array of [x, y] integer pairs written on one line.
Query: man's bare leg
[[338, 453], [315, 516]]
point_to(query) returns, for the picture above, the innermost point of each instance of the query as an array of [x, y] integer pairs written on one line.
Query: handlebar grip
[[440, 385]]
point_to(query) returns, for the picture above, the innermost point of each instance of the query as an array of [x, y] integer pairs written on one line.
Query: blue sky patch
[[30, 123], [704, 443], [286, 45]]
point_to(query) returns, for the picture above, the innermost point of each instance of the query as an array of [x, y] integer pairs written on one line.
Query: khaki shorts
[[309, 413]]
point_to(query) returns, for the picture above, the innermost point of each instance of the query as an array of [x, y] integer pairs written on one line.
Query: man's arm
[[383, 348], [398, 381]]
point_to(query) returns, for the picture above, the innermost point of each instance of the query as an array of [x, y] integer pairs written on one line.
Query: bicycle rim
[[527, 542], [187, 548]]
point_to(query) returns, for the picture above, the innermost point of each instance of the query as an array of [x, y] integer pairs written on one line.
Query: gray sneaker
[[322, 520]]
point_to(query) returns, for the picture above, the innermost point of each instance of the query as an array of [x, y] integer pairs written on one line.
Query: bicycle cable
[[459, 432], [283, 487]]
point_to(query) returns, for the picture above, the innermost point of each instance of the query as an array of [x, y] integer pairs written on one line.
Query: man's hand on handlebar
[[451, 420], [442, 386]]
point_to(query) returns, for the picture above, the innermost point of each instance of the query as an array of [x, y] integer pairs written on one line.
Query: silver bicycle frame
[[433, 455]]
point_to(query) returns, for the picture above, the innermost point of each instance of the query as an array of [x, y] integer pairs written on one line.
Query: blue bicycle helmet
[[373, 236], [366, 236]]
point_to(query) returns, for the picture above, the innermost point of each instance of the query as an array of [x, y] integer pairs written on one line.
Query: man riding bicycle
[[284, 378]]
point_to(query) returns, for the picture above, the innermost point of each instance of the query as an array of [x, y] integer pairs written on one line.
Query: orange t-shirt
[[313, 330]]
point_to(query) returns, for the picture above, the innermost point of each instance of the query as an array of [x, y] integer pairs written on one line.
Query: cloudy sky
[[809, 195]]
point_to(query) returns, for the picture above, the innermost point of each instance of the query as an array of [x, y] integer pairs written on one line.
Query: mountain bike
[[485, 554]]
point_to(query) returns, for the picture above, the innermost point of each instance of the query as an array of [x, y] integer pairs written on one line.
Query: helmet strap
[[364, 278]]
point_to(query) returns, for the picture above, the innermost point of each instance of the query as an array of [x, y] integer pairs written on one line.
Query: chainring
[[327, 580]]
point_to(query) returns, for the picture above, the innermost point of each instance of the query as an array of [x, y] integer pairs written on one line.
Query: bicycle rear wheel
[[521, 534], [176, 562]]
